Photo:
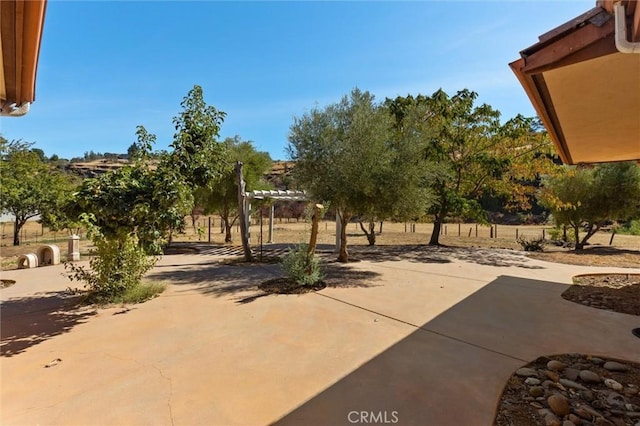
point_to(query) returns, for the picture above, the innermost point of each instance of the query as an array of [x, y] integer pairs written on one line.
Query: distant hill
[[89, 169], [279, 175]]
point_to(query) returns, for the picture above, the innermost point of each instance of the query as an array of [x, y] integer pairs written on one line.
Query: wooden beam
[[635, 25], [547, 56], [22, 23], [532, 89]]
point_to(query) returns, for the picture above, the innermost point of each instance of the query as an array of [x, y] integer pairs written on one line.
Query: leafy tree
[[469, 152], [222, 197], [344, 155], [196, 153], [586, 198], [29, 186]]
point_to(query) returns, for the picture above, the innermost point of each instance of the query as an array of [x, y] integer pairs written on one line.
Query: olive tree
[[345, 155], [586, 198]]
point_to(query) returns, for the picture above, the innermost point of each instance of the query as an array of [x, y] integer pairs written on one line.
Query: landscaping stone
[[615, 366], [526, 372], [589, 376], [559, 404]]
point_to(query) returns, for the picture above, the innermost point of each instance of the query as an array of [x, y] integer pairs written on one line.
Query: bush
[[117, 266], [631, 228], [536, 244], [301, 267]]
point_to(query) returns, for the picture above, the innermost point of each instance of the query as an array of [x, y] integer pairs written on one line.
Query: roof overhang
[[584, 90], [21, 24]]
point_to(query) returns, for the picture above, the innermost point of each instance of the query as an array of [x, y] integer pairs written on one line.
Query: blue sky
[[106, 67]]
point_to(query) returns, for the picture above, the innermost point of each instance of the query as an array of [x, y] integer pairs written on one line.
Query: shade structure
[[585, 90]]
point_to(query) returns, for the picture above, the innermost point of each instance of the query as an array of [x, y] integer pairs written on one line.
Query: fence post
[[470, 229], [491, 232], [476, 230], [445, 230], [516, 233], [496, 233], [543, 234], [459, 229], [209, 229]]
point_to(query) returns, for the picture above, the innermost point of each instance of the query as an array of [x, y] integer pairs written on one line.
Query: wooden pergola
[[276, 195]]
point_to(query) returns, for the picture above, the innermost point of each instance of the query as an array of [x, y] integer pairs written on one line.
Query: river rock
[[567, 423], [571, 373], [526, 372], [555, 365], [532, 381], [536, 391], [575, 419], [559, 404], [552, 375], [551, 420], [596, 361], [612, 384], [571, 384], [587, 395], [615, 366], [589, 376]]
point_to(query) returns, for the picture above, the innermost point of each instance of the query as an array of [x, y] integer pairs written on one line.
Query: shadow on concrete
[[28, 321], [452, 369], [220, 279], [442, 254]]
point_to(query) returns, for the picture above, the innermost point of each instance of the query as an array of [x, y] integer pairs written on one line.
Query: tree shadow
[[442, 254], [28, 321], [220, 279]]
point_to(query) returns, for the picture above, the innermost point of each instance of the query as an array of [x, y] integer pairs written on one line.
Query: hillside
[[279, 175]]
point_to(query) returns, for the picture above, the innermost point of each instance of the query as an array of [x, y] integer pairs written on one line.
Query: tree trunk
[[16, 232], [248, 256], [380, 231], [314, 229], [576, 233], [344, 254], [371, 234], [437, 226], [227, 231]]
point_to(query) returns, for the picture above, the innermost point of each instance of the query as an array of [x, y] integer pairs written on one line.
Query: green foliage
[[29, 185], [222, 196], [469, 152], [301, 266], [117, 265], [586, 198], [534, 244], [141, 293], [345, 154], [631, 228], [197, 156]]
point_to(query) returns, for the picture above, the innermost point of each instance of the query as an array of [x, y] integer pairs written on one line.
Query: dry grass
[[625, 250]]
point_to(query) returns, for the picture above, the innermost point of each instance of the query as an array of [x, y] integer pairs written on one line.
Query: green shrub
[[301, 267], [631, 228], [117, 266], [535, 244]]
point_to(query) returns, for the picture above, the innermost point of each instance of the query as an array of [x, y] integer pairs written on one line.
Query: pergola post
[[271, 210]]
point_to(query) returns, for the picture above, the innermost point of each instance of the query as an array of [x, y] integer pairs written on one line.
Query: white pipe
[[11, 110], [622, 44]]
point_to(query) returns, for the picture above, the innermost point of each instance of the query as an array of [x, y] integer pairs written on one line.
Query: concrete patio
[[427, 338]]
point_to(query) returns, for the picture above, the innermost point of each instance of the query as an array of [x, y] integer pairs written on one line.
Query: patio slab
[[432, 342]]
